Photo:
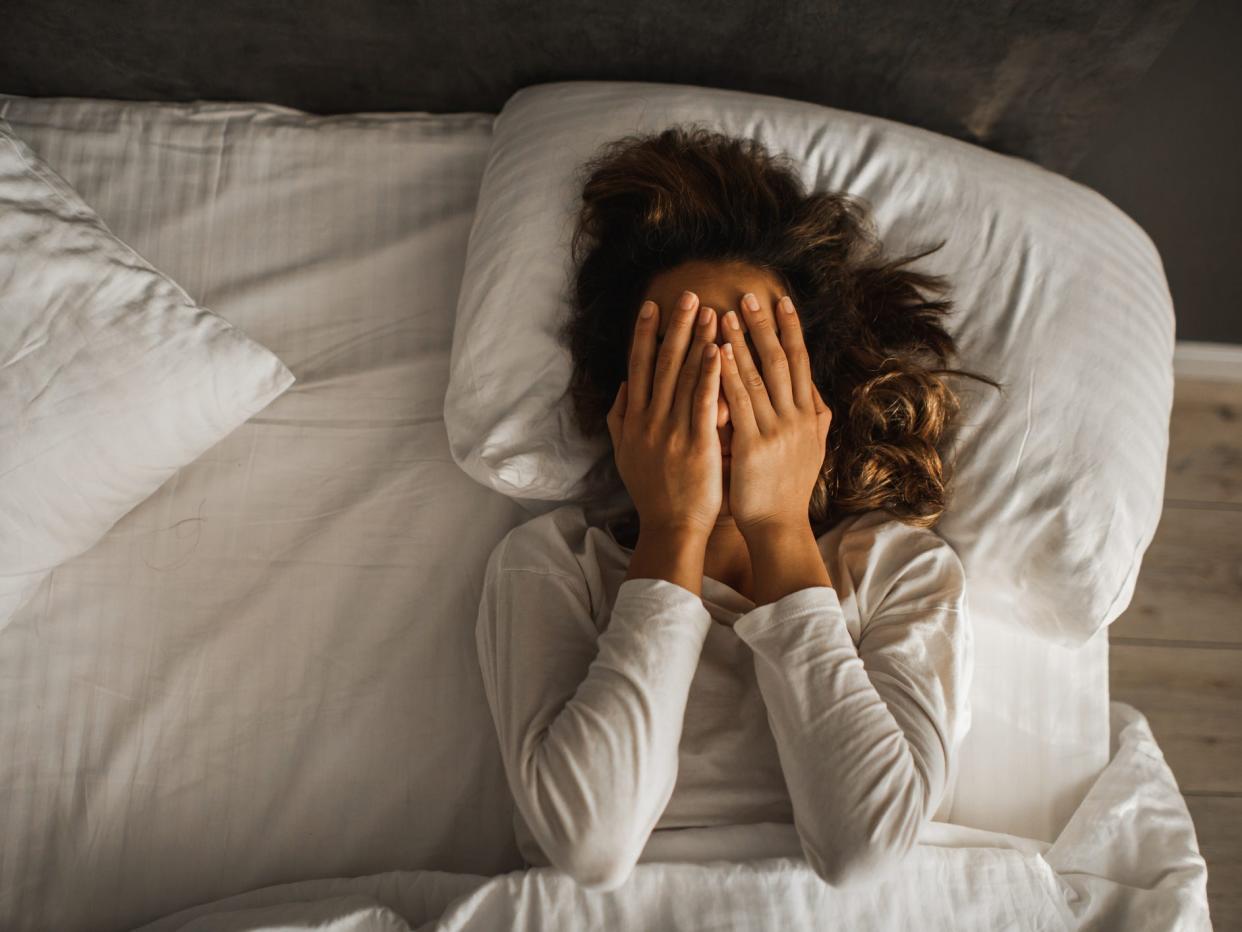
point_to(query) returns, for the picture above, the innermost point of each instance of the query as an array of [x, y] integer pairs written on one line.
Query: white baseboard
[[1214, 361]]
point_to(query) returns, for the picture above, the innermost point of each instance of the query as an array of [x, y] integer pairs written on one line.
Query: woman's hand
[[663, 423], [780, 421]]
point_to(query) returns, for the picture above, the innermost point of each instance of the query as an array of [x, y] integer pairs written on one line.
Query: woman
[[775, 636]]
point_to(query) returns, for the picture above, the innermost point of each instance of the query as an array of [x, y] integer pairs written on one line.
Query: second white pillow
[[111, 377]]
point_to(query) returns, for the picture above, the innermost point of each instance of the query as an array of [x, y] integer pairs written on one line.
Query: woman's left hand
[[780, 420]]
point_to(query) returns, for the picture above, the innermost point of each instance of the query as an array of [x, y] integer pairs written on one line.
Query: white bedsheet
[[266, 673]]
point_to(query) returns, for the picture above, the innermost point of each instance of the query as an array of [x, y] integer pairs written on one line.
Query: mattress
[[266, 672]]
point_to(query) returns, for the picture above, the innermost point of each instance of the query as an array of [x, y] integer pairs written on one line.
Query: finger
[[761, 324], [672, 353], [683, 403], [790, 326], [642, 352], [827, 410], [820, 398], [616, 415], [706, 396], [750, 381], [823, 413], [741, 411]]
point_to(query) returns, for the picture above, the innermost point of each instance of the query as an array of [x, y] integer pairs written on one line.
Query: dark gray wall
[[1027, 77], [1172, 159], [1049, 80]]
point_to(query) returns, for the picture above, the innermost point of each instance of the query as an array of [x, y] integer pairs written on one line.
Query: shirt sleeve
[[589, 724], [865, 733]]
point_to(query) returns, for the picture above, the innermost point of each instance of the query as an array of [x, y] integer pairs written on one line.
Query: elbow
[[603, 877], [599, 865], [871, 855], [848, 867], [598, 860], [596, 844]]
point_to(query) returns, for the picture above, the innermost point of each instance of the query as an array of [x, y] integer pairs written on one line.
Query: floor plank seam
[[1129, 641], [1204, 505], [1227, 794]]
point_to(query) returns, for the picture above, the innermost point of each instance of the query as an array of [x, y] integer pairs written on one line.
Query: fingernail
[[750, 301], [648, 309], [687, 300], [787, 304], [728, 347], [732, 318], [704, 316]]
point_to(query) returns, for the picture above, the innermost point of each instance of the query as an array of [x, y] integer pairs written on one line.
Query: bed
[[256, 703]]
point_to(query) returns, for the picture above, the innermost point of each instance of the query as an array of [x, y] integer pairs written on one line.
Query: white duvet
[[264, 677], [1127, 860]]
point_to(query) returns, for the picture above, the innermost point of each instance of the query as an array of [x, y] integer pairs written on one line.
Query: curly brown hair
[[878, 349]]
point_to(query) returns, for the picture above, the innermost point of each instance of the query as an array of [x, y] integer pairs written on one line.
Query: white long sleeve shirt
[[631, 708]]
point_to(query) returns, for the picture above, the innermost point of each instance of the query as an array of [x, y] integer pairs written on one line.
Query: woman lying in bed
[[776, 635]]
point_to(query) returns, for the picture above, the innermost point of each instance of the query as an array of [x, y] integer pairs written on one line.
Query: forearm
[[594, 774], [597, 780], [670, 553], [858, 789], [783, 560]]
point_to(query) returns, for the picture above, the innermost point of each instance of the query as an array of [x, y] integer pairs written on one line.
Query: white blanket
[[1127, 860]]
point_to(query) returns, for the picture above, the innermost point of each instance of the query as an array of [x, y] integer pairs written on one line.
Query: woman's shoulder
[[550, 542], [886, 528], [888, 560]]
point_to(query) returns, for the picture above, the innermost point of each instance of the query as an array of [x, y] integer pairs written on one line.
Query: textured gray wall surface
[[1170, 158], [1026, 77], [1138, 99]]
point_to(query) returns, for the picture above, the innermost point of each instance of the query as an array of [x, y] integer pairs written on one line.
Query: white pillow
[[1059, 295], [111, 377]]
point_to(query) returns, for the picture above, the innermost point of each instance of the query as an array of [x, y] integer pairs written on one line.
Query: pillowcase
[[111, 377], [1059, 295]]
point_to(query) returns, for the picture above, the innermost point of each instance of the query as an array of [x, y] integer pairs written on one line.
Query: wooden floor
[[1176, 653]]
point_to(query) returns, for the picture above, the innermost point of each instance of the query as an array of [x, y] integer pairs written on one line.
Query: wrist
[[784, 558], [682, 531], [778, 531], [674, 552]]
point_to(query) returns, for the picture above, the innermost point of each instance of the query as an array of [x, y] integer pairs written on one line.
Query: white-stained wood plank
[[1192, 697], [1205, 443], [1190, 584], [1218, 826], [1174, 653]]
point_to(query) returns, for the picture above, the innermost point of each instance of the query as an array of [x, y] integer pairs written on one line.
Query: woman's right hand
[[663, 421]]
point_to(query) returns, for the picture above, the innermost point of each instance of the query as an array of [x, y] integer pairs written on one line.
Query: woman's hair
[[873, 330]]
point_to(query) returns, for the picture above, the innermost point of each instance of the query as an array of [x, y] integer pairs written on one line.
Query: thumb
[[823, 412], [616, 414], [820, 404]]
